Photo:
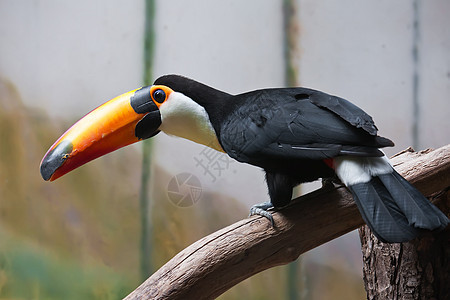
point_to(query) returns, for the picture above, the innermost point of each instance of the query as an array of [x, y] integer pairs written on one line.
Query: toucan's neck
[[199, 92], [215, 102], [182, 117]]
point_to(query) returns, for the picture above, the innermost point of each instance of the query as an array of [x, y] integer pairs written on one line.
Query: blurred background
[[99, 231]]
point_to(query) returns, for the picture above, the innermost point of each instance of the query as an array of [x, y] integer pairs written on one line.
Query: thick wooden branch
[[215, 263]]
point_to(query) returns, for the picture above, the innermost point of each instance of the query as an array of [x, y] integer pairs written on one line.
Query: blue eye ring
[[159, 96]]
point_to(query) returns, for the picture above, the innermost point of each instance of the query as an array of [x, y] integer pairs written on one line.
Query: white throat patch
[[183, 117]]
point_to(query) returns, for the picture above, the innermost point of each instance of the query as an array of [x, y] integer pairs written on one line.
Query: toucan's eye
[[159, 96]]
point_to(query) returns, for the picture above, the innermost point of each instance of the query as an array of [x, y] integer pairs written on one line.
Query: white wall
[[434, 76], [362, 51], [68, 57], [227, 45]]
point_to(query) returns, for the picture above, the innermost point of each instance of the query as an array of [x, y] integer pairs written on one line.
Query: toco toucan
[[295, 135]]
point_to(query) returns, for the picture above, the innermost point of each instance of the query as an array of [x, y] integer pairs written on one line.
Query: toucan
[[295, 135]]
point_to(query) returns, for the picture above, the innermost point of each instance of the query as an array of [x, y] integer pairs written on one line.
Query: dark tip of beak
[[55, 158]]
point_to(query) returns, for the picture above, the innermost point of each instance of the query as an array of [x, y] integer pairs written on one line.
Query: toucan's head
[[174, 104]]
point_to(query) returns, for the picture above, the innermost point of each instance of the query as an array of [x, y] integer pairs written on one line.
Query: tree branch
[[215, 263]]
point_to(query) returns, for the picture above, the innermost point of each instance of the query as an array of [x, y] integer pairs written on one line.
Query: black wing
[[297, 123]]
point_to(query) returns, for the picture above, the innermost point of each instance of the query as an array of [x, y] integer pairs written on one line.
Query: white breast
[[183, 117]]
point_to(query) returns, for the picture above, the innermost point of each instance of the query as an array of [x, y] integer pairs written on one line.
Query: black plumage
[[295, 133], [394, 209], [279, 123], [284, 132]]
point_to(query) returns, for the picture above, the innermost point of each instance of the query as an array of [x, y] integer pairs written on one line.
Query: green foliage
[[29, 272]]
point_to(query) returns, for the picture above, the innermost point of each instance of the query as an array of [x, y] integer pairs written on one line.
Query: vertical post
[[290, 42], [144, 201], [296, 287], [416, 79]]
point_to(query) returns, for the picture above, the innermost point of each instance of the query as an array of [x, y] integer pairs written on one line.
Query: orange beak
[[119, 122]]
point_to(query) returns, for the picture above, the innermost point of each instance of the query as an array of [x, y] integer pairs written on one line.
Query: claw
[[261, 210], [327, 184], [330, 183]]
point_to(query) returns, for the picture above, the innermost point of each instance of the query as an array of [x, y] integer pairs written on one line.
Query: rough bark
[[419, 269], [215, 263]]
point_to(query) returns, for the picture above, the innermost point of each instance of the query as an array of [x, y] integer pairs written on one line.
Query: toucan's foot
[[330, 183], [261, 210]]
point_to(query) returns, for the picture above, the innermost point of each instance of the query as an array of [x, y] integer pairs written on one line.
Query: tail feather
[[381, 213], [389, 204], [420, 212]]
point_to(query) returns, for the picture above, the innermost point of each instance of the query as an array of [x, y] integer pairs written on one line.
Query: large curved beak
[[119, 122]]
